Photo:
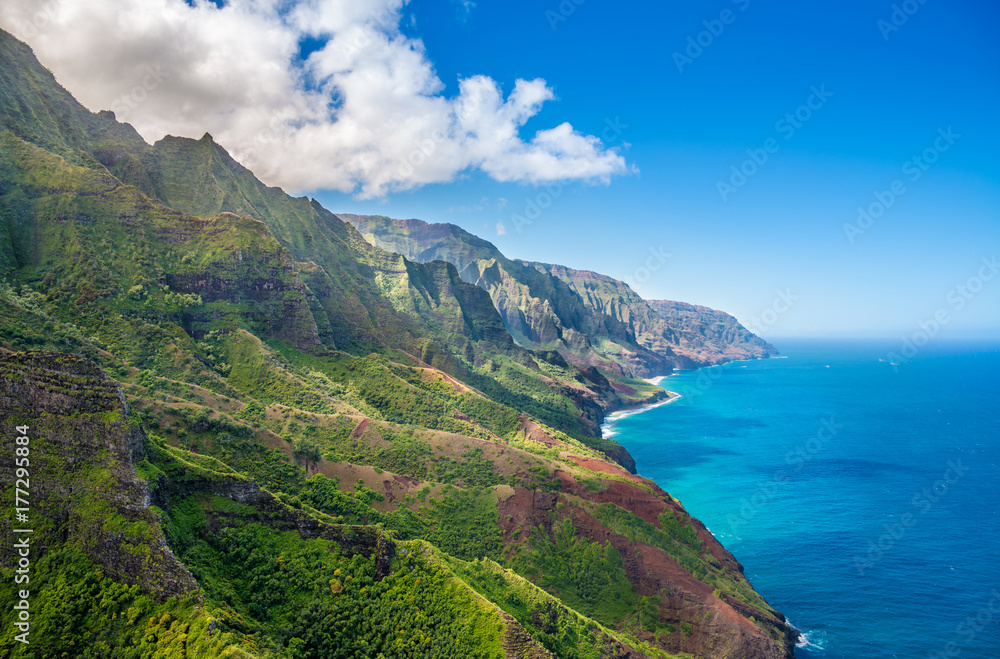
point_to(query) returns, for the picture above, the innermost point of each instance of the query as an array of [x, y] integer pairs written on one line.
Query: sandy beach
[[606, 427]]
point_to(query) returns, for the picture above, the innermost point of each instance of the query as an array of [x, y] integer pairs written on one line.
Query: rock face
[[710, 336], [84, 490], [718, 623], [264, 508], [542, 312], [589, 318]]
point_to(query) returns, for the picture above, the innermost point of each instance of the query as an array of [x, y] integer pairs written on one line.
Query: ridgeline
[[253, 433]]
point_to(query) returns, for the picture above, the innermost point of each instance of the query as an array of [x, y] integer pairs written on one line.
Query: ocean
[[861, 495]]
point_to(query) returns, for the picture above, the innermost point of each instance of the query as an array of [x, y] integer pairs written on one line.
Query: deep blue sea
[[861, 496]]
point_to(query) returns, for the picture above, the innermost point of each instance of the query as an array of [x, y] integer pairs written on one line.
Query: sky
[[816, 169]]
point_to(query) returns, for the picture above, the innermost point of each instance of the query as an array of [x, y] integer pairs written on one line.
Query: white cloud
[[365, 113]]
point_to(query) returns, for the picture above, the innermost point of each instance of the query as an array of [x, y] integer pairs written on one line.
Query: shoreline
[[671, 395], [610, 419], [798, 638]]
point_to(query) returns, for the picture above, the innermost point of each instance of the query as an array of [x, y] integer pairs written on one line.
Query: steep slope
[[359, 298], [526, 501], [424, 309], [541, 311], [696, 335], [616, 300], [712, 336], [38, 110], [589, 318], [92, 536], [345, 448], [97, 547]]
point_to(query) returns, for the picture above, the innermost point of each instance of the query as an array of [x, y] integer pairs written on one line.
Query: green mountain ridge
[[591, 319], [254, 434]]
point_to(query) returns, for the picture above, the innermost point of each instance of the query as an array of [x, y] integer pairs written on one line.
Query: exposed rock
[[709, 336], [589, 318], [82, 451]]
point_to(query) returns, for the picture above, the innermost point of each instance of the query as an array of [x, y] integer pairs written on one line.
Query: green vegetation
[[560, 629], [312, 601], [679, 540], [627, 334], [301, 445], [297, 597], [585, 575], [473, 470], [323, 494], [80, 612], [465, 524]]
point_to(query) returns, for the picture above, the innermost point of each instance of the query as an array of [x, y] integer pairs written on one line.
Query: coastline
[[795, 638], [609, 420]]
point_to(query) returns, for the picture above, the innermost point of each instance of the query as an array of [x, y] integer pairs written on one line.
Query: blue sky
[[783, 230], [620, 148]]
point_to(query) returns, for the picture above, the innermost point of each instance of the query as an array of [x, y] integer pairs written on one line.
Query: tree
[[304, 449]]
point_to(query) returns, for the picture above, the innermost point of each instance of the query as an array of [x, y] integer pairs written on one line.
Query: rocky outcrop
[[714, 623], [540, 311], [589, 318], [710, 336], [84, 488], [149, 257], [264, 508], [519, 644]]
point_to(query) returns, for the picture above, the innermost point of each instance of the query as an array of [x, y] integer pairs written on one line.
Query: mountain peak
[[253, 332]]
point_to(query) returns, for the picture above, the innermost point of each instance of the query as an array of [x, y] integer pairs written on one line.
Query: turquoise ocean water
[[861, 496]]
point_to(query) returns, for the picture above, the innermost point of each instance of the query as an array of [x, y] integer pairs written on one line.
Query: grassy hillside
[[257, 435]]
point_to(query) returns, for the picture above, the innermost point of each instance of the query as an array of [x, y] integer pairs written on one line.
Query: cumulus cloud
[[363, 113]]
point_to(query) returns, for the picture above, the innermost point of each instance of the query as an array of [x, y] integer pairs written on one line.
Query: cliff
[[709, 335], [89, 505], [591, 519], [589, 318], [85, 491], [310, 442]]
